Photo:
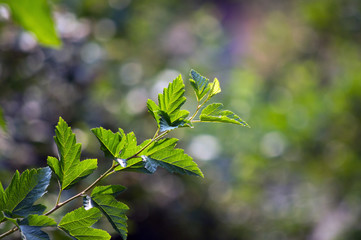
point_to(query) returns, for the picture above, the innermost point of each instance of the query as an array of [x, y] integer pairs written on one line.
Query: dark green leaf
[[35, 16], [215, 113], [111, 143], [69, 169], [32, 233], [8, 216], [24, 190], [30, 227], [78, 224], [112, 209], [200, 84]]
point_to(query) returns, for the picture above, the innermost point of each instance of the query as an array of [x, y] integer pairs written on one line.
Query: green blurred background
[[291, 69]]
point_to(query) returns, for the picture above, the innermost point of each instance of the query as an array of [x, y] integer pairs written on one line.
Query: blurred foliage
[[35, 16], [291, 69]]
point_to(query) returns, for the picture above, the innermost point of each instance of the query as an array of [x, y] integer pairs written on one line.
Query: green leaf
[[168, 113], [2, 198], [114, 190], [166, 123], [153, 109], [111, 208], [133, 165], [78, 224], [30, 227], [200, 84], [69, 169], [162, 153], [23, 190], [215, 113], [131, 147], [111, 143], [38, 221], [173, 96], [2, 120], [35, 16], [215, 88]]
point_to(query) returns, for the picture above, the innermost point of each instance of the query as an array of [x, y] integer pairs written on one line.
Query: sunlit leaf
[[111, 143], [69, 169], [199, 83], [131, 146], [19, 197], [114, 190], [173, 96], [215, 113], [78, 224], [215, 88], [128, 160], [133, 165], [35, 16], [163, 153], [168, 113], [153, 109]]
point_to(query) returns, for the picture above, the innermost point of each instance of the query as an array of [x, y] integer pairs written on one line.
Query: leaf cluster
[[18, 200]]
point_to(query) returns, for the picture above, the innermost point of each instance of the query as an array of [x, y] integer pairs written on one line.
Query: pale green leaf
[[78, 224], [111, 143], [199, 83], [69, 169], [35, 16], [215, 88], [113, 210], [19, 197], [215, 113]]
